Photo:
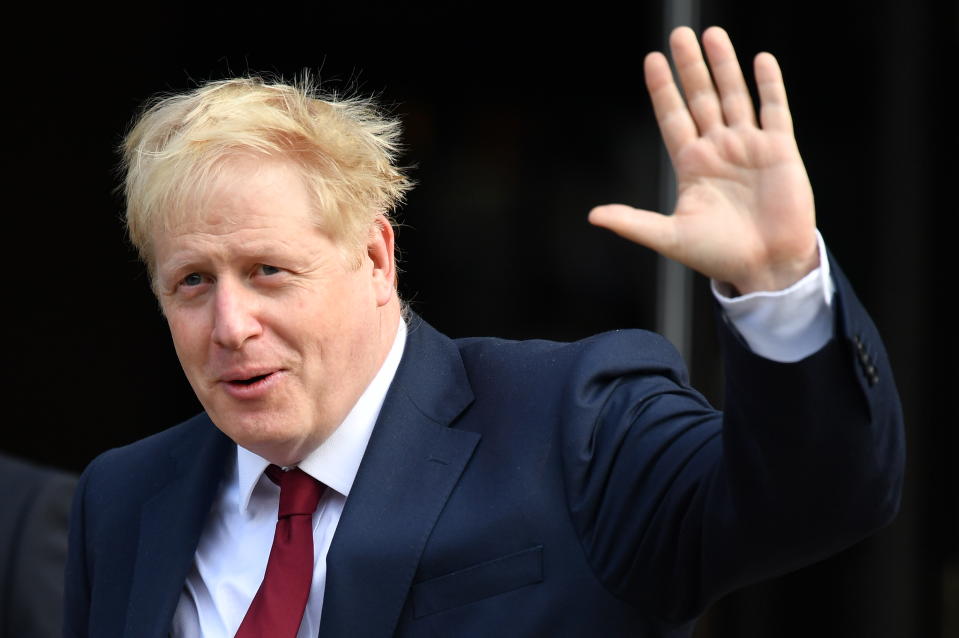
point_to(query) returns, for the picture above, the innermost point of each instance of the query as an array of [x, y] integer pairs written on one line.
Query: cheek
[[187, 337], [336, 322]]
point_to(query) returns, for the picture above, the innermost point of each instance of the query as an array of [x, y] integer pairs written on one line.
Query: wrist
[[778, 275]]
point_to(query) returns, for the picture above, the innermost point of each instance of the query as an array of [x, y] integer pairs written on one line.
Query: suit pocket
[[480, 581]]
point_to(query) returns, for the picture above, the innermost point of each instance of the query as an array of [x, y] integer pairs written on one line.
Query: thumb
[[644, 227]]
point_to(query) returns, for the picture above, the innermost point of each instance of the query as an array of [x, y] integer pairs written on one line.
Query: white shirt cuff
[[785, 325]]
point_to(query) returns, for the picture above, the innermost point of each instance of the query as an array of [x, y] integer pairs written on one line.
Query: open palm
[[744, 212]]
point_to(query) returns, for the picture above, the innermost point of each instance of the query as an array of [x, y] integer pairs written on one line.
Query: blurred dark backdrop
[[516, 126]]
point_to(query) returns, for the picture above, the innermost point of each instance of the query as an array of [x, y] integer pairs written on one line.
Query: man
[[479, 486], [34, 511]]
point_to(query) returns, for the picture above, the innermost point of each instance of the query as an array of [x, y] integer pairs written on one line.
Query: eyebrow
[[265, 251]]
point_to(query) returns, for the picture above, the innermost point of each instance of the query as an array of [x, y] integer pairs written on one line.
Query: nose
[[235, 315]]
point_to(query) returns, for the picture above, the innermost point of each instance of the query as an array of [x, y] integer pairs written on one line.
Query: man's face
[[277, 329]]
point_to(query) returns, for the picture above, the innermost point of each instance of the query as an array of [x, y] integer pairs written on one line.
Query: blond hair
[[344, 148]]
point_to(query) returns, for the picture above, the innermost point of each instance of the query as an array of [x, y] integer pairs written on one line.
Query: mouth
[[244, 385], [251, 380]]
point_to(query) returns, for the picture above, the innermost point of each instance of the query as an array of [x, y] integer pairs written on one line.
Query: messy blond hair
[[345, 149]]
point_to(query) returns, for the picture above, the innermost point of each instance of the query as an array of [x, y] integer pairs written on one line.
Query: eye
[[193, 279], [267, 269]]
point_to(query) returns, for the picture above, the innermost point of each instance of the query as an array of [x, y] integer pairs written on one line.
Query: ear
[[380, 250]]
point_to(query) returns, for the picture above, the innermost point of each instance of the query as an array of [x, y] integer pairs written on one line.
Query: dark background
[[518, 120]]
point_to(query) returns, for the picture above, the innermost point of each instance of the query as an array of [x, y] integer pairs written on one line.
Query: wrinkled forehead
[[249, 192], [224, 192], [214, 191]]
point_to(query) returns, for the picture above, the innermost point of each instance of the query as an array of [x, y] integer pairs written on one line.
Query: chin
[[261, 435]]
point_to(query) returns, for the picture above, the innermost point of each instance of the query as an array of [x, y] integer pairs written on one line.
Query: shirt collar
[[337, 460]]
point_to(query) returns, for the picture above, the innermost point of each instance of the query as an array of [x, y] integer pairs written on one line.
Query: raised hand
[[744, 212]]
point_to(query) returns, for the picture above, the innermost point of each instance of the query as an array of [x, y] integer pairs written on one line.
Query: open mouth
[[251, 380]]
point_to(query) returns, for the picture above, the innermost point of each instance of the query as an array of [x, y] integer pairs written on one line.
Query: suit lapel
[[170, 526], [413, 461]]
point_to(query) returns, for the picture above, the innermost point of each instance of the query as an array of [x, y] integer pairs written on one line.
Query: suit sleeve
[[677, 504]]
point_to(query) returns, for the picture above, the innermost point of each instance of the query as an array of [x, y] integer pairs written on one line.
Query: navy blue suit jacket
[[536, 488]]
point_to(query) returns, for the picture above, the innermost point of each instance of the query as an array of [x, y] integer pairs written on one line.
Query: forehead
[[243, 187], [239, 191], [248, 203]]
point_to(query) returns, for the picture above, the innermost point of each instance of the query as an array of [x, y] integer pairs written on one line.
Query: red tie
[[277, 608]]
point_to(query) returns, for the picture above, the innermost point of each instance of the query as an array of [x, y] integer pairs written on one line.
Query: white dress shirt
[[235, 544]]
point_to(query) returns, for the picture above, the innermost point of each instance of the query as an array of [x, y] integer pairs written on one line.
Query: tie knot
[[299, 492]]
